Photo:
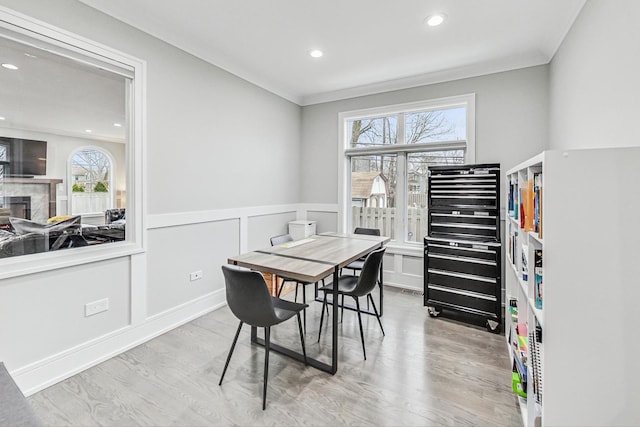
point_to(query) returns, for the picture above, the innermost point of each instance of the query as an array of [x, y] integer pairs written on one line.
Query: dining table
[[310, 260]]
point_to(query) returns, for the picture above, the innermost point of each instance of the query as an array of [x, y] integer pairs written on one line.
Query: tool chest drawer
[[464, 301], [468, 258], [461, 281], [463, 224]]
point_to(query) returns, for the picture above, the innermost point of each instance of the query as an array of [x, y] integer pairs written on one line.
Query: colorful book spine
[[525, 263], [529, 196], [537, 204], [538, 278]]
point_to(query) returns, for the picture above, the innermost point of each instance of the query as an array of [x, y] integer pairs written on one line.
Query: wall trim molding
[[43, 373], [212, 215], [197, 217]]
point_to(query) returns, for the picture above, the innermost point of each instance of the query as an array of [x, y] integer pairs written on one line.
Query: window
[[74, 122], [91, 186], [386, 154]]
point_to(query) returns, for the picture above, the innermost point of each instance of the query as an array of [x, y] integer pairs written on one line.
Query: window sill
[[36, 263], [408, 249]]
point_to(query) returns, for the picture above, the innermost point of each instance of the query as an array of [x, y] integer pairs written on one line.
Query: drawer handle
[[440, 239], [449, 180], [462, 276], [461, 225], [461, 292], [464, 197], [464, 259], [484, 250], [459, 215]]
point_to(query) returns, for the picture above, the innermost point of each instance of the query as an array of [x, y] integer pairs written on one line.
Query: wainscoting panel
[[176, 252]]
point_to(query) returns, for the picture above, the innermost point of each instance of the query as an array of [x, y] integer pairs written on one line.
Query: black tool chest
[[462, 251]]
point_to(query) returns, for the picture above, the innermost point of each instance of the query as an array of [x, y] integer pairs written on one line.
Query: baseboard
[[41, 374]]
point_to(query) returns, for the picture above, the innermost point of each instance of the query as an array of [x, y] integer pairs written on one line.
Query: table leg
[[380, 284], [334, 337]]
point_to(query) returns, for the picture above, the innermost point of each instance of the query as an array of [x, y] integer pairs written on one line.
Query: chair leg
[[304, 351], [324, 304], [267, 342], [342, 309], [361, 331], [376, 312], [233, 346]]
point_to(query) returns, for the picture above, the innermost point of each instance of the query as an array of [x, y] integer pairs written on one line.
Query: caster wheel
[[433, 312], [493, 326]]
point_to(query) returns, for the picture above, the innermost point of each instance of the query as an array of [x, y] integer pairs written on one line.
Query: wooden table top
[[310, 259]]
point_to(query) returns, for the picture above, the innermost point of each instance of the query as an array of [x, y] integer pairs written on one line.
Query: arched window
[[91, 182]]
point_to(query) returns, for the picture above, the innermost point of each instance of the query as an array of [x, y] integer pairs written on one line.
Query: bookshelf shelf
[[536, 237], [584, 201]]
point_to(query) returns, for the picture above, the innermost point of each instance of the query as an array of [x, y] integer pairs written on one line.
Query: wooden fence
[[384, 218]]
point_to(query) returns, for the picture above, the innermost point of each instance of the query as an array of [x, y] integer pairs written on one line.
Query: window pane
[[437, 125], [417, 181], [373, 192], [60, 106], [91, 177], [373, 131]]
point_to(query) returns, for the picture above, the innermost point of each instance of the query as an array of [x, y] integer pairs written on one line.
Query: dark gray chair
[[278, 240], [358, 286], [357, 264], [249, 300]]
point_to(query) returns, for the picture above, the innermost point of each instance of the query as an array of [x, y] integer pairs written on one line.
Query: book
[[537, 204], [522, 198], [537, 270], [525, 263], [528, 197]]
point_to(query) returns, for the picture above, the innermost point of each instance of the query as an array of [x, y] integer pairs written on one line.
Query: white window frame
[[71, 45], [112, 174], [345, 152]]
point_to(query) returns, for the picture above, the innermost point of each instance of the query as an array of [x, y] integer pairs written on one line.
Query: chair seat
[[289, 279], [356, 265], [346, 285], [286, 309]]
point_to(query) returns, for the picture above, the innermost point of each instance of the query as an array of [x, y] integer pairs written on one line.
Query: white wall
[[217, 146], [511, 125], [594, 84]]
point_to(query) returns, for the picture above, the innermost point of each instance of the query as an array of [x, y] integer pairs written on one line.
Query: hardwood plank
[[425, 371]]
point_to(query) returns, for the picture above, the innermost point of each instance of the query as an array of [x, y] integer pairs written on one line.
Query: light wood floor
[[424, 372]]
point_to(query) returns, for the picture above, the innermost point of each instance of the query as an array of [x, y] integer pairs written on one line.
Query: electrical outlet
[[96, 307], [196, 275]]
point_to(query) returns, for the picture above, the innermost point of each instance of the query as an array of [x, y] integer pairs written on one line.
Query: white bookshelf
[[591, 286]]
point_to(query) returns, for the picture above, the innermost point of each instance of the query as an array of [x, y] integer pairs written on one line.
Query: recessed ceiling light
[[88, 130], [118, 125], [316, 53], [10, 66], [435, 19], [3, 118]]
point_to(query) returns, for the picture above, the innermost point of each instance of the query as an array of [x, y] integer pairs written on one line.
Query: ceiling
[[50, 93], [369, 45]]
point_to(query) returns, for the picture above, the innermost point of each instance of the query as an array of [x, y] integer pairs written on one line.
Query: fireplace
[[14, 206], [43, 196], [19, 206]]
